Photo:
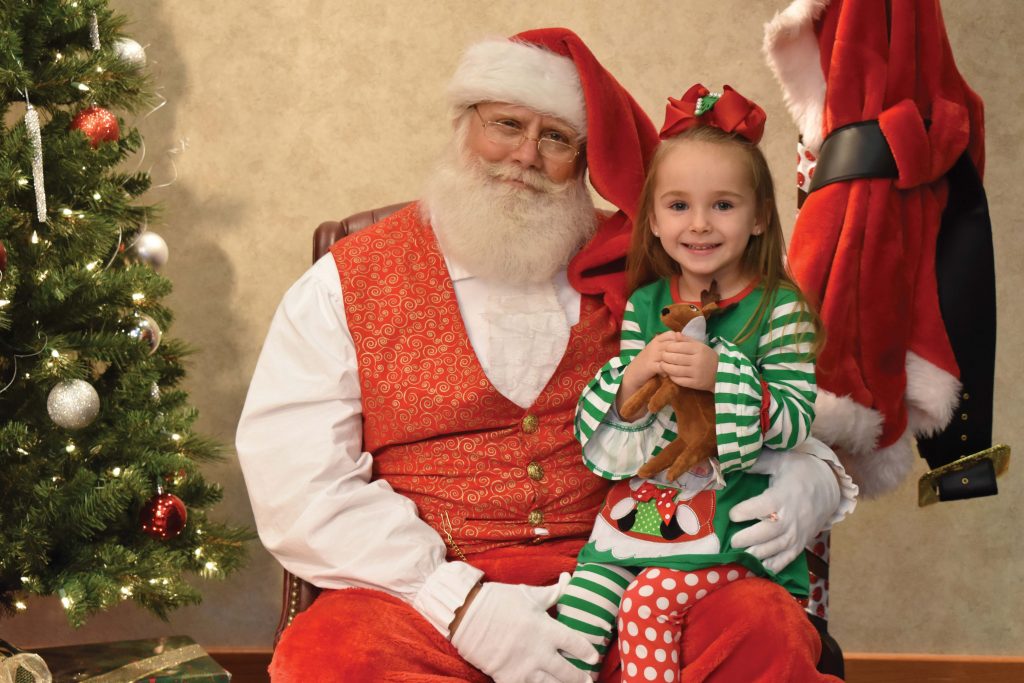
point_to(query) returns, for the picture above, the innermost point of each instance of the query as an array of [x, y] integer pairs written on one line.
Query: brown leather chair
[[299, 594]]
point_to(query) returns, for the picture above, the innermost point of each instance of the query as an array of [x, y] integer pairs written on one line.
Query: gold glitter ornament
[[73, 404]]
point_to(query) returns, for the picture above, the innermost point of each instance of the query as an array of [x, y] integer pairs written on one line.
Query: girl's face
[[704, 214]]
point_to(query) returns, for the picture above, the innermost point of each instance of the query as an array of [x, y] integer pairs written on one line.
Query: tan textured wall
[[298, 111]]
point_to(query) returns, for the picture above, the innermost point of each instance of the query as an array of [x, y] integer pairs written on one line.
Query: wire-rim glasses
[[512, 137]]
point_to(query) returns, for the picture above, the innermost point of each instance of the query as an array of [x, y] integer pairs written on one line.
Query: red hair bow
[[732, 112]]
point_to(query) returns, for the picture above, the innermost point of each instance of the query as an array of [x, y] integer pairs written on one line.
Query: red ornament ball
[[163, 516], [99, 125]]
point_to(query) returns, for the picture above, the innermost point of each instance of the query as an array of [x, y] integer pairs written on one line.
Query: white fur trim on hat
[[502, 70]]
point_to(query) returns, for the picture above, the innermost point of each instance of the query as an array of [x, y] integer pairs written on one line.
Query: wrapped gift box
[[154, 660]]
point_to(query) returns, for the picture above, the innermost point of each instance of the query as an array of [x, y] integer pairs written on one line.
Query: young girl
[[707, 217]]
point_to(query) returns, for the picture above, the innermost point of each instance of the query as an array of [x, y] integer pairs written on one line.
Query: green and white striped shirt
[[778, 353]]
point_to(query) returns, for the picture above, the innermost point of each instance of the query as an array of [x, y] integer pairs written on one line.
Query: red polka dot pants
[[651, 617]]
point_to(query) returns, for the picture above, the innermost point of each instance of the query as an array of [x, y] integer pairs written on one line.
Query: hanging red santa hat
[[553, 72]]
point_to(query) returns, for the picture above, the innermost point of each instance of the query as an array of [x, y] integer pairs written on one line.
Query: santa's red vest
[[471, 460]]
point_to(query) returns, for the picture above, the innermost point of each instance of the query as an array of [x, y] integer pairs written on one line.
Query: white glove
[[801, 498], [507, 633]]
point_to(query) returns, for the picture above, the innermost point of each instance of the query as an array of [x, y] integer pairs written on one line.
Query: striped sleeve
[[612, 448], [783, 368]]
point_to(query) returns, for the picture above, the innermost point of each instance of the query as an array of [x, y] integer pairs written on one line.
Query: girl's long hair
[[764, 255]]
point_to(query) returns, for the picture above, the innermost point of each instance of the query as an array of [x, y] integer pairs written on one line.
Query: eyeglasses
[[513, 136]]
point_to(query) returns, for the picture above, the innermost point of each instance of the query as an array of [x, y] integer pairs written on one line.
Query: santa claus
[[407, 439]]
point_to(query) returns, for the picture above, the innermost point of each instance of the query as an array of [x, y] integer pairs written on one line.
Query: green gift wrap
[[154, 660]]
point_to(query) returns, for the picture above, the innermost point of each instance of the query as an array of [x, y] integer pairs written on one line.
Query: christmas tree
[[103, 498]]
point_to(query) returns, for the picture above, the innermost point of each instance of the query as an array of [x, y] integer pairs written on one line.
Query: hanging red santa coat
[[878, 77]]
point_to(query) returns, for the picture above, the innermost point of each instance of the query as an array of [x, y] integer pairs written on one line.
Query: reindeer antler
[[710, 295]]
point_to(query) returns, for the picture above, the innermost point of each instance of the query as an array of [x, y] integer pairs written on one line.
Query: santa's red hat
[[553, 72]]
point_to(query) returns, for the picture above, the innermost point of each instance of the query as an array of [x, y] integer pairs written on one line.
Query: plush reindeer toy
[[694, 408]]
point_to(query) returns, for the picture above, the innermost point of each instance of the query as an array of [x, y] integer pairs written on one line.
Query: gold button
[[963, 416], [535, 518], [964, 481], [530, 424], [966, 396], [535, 471], [963, 437]]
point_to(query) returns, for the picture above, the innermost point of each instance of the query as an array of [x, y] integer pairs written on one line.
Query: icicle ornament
[[36, 138], [94, 32]]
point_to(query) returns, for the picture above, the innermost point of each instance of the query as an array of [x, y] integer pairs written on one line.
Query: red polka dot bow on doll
[[727, 110]]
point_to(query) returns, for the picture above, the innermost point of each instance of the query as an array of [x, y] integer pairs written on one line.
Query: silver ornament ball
[[154, 392], [130, 51], [151, 249], [73, 404], [145, 330]]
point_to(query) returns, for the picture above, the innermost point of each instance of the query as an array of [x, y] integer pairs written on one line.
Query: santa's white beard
[[498, 230]]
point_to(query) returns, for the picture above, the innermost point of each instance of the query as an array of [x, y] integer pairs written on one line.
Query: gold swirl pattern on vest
[[441, 434]]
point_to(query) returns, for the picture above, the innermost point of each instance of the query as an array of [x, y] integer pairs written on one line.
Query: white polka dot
[[750, 574], [650, 673], [624, 646], [713, 577], [732, 575], [667, 636], [691, 580], [701, 593], [631, 586], [620, 624], [650, 633], [681, 598], [646, 591], [653, 573], [668, 584], [631, 668], [662, 603], [627, 605], [644, 612], [641, 652], [673, 614], [675, 656], [660, 655], [669, 675], [632, 628]]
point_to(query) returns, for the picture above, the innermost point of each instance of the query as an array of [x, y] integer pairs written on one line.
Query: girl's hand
[[690, 363], [646, 365]]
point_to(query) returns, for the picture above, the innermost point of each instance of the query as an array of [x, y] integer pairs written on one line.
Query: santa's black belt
[[858, 150]]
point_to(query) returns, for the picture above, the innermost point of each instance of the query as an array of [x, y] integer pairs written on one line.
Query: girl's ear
[[654, 224]]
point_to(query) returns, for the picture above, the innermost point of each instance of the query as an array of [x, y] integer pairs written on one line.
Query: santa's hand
[[507, 633], [801, 498]]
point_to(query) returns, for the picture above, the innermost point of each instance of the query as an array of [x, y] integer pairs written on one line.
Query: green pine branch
[[73, 298]]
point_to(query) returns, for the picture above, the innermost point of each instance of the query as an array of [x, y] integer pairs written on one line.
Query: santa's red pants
[[750, 631]]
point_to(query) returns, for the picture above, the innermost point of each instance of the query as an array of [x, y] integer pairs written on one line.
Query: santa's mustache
[[531, 177]]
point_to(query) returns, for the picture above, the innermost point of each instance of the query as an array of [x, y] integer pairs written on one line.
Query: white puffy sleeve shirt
[[299, 444]]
